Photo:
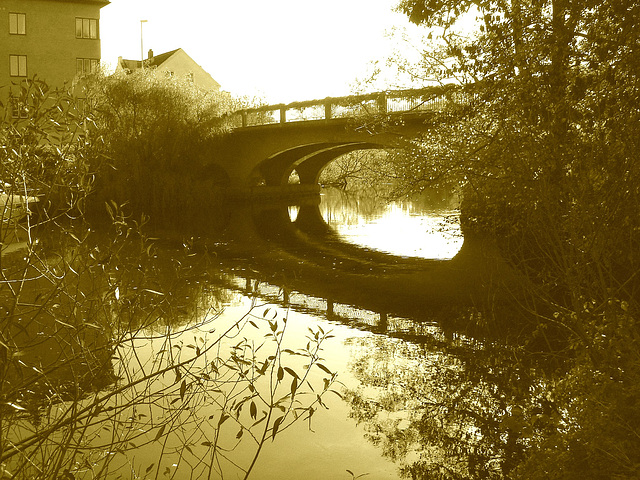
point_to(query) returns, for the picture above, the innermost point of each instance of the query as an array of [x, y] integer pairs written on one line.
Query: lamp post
[[141, 44]]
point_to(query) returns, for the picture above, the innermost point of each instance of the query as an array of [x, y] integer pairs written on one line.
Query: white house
[[175, 62]]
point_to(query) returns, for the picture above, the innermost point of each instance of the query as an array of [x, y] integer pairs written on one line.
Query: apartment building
[[53, 39]]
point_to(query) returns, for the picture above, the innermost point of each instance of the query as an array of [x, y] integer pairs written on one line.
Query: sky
[[277, 50]]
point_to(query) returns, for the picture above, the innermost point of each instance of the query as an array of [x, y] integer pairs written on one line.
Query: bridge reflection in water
[[278, 258]]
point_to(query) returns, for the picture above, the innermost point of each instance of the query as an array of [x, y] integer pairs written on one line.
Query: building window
[[87, 28], [18, 65], [85, 66], [17, 24]]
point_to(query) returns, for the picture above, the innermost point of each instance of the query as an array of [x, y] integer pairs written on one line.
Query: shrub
[[153, 141]]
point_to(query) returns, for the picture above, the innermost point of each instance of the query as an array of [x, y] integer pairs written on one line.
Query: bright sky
[[280, 50]]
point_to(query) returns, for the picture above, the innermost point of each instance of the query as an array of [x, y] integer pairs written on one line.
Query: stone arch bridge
[[268, 143]]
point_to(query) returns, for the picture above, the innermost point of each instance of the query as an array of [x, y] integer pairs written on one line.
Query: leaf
[[291, 372], [155, 292], [337, 393], [264, 416], [160, 432], [223, 419], [276, 426], [322, 367], [183, 389], [280, 373], [240, 432], [253, 410], [294, 386], [263, 369], [149, 468]]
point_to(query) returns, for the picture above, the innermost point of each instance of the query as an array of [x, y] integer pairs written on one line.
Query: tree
[[84, 306], [546, 155], [551, 138]]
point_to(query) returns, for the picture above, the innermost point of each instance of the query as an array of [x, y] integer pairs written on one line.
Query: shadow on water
[[305, 255]]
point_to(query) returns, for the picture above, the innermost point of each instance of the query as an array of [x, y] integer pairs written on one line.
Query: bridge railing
[[380, 103]]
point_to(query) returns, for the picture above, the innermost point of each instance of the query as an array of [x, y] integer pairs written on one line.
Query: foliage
[[114, 357], [545, 155], [43, 151], [154, 136], [551, 138], [455, 407], [448, 408], [353, 171], [111, 362]]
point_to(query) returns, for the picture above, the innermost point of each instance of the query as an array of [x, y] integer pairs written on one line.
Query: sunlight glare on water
[[402, 229]]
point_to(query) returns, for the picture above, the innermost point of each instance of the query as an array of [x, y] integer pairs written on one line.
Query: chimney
[[150, 54]]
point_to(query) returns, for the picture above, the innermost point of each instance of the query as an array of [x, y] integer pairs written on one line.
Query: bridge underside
[[261, 159], [307, 160]]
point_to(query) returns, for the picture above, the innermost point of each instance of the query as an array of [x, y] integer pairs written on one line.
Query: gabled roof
[[155, 61], [158, 60]]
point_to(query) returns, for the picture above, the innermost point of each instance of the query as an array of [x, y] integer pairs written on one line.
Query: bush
[[153, 140], [43, 149]]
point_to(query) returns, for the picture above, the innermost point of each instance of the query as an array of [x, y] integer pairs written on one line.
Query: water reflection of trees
[[369, 203], [452, 406]]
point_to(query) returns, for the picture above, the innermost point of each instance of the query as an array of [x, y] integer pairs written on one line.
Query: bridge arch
[[307, 160]]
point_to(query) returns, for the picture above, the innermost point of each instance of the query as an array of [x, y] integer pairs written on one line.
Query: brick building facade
[[53, 39]]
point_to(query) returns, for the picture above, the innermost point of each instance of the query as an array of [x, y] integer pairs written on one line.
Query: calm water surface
[[335, 442], [234, 310]]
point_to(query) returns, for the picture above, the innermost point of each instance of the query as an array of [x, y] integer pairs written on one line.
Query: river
[[201, 360]]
